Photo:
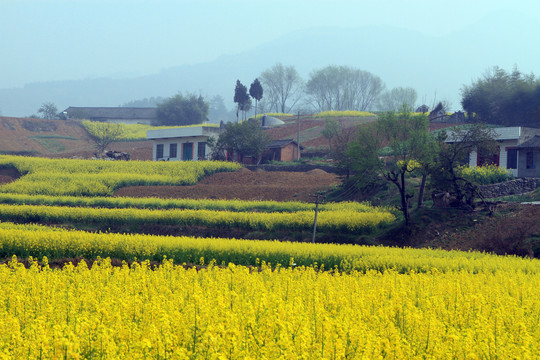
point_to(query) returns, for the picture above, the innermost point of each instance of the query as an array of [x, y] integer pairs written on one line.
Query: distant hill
[[437, 67]]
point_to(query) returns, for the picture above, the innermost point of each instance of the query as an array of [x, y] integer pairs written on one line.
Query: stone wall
[[512, 187]]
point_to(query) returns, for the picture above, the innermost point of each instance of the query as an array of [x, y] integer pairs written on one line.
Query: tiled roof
[[534, 142], [281, 143], [110, 112]]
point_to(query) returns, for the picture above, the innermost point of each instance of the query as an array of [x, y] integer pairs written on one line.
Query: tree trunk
[[399, 181], [421, 191], [404, 205]]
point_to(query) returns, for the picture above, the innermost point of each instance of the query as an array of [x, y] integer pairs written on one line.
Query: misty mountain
[[437, 67]]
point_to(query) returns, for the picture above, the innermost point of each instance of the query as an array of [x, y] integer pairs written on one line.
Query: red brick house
[[281, 150]]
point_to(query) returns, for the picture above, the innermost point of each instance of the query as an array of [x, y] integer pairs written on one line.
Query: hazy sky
[[43, 40]]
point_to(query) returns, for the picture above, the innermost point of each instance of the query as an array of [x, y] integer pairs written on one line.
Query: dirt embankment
[[244, 185], [8, 174]]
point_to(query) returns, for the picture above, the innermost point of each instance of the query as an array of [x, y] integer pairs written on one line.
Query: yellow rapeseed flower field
[[346, 221], [234, 312], [101, 177]]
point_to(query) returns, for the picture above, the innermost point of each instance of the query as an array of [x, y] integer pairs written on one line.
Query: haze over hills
[[437, 67]]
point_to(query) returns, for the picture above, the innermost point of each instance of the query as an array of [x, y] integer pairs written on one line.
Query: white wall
[[503, 155], [179, 141]]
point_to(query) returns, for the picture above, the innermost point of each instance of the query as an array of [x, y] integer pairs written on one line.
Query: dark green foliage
[[504, 98], [256, 92], [245, 139], [182, 110], [48, 111], [241, 98], [406, 138]]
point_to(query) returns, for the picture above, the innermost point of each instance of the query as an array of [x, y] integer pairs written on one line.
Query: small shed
[[281, 150]]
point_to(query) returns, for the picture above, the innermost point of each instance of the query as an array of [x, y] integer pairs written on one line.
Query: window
[[159, 151], [173, 150], [530, 160], [511, 159], [201, 150]]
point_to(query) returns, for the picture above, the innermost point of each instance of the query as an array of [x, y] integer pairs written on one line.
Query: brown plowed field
[[244, 185]]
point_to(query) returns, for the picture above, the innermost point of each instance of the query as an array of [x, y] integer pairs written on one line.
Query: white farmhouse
[[519, 151], [182, 143]]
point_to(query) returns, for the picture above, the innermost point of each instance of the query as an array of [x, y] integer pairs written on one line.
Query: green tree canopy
[[48, 111], [182, 110], [241, 98], [393, 146], [246, 138], [256, 92], [504, 98]]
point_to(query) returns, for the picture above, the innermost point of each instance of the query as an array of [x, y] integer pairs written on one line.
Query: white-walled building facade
[[521, 161], [183, 143]]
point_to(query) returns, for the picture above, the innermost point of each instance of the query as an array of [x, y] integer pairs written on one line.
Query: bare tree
[[393, 100], [105, 134], [283, 87], [343, 88]]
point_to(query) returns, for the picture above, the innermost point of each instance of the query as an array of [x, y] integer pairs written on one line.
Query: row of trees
[[243, 99], [330, 88]]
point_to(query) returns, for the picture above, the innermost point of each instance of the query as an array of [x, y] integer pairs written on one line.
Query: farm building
[[281, 150], [191, 143], [519, 151], [124, 115], [182, 143]]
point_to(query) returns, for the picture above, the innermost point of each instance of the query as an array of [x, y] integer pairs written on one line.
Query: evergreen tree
[[256, 92]]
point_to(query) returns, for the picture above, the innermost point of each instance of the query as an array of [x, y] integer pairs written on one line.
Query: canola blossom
[[487, 174], [55, 243], [194, 204], [75, 177], [345, 221], [234, 312]]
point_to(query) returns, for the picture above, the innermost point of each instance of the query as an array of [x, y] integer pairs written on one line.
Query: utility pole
[[298, 137], [317, 200]]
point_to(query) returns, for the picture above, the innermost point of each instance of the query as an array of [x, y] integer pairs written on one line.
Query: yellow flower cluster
[[411, 164], [201, 204], [233, 312], [331, 220], [55, 243], [351, 113], [487, 174], [101, 177]]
